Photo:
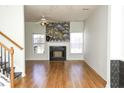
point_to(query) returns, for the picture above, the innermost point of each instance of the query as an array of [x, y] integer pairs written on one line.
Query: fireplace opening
[[57, 53]]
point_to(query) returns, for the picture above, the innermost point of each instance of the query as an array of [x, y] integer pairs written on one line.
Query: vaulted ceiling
[[34, 13]]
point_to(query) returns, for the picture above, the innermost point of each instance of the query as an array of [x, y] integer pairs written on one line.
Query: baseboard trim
[[97, 74], [107, 86], [23, 74], [49, 60]]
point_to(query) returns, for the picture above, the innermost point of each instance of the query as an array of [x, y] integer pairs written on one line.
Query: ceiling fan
[[43, 21]]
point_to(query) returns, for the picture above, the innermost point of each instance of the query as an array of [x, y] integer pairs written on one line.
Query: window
[[76, 42], [38, 43]]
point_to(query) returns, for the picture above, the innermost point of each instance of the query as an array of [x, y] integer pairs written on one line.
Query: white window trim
[[82, 43], [40, 43]]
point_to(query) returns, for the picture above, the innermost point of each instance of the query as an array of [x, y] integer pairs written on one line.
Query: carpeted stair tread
[[17, 74]]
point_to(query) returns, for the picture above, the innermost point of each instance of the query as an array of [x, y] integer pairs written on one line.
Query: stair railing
[[3, 66], [4, 62], [8, 38]]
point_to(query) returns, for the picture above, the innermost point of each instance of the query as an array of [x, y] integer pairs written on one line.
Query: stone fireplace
[[57, 53]]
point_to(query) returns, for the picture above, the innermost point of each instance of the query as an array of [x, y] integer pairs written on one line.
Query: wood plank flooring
[[68, 74]]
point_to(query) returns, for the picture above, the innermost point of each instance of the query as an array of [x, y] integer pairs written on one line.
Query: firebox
[[57, 53]]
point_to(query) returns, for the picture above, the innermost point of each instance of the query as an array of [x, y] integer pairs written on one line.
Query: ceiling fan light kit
[[43, 21]]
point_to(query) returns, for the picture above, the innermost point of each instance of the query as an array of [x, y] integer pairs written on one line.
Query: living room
[[63, 46]]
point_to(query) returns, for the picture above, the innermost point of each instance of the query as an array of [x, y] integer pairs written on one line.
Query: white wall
[[31, 27], [95, 41], [12, 24], [117, 33]]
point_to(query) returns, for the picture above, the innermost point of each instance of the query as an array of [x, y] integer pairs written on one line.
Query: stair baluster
[[8, 62], [0, 58], [5, 62]]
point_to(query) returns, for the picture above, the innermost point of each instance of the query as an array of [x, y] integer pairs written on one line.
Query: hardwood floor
[[68, 74]]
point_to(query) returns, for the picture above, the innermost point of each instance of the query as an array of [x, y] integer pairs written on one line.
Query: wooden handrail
[[11, 40]]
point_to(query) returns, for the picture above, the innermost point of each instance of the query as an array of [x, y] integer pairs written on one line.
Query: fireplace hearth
[[57, 53]]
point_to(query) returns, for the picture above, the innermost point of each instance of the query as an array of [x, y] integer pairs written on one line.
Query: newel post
[[12, 68]]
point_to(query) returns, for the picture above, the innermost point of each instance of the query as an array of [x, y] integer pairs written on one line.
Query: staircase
[[7, 69]]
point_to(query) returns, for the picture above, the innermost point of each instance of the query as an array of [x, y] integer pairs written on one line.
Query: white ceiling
[[34, 13]]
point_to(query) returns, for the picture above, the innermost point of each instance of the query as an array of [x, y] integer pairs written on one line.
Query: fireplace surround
[[57, 53]]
